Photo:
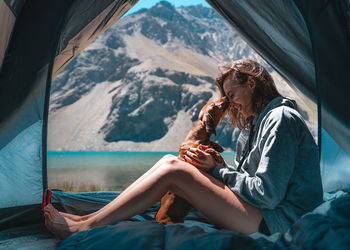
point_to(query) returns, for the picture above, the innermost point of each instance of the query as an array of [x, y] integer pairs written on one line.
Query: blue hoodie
[[281, 174]]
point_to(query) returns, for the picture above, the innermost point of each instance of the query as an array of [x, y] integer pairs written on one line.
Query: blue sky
[[177, 3]]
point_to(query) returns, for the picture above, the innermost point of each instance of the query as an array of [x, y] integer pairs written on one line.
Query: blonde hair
[[242, 72]]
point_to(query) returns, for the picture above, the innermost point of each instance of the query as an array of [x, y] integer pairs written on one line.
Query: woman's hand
[[200, 159]]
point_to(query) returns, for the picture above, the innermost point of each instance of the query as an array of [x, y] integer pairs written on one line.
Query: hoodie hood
[[276, 102]]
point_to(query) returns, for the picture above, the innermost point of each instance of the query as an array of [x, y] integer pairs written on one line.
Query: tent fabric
[[334, 164], [331, 53], [34, 236], [26, 149], [23, 94], [15, 6], [331, 49], [7, 21], [21, 215], [9, 10]]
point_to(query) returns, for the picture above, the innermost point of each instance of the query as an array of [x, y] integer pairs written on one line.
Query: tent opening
[[134, 93]]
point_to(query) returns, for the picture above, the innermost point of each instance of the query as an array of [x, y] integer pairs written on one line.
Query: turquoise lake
[[89, 171]]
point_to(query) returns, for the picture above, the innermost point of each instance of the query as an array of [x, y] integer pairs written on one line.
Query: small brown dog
[[173, 208]]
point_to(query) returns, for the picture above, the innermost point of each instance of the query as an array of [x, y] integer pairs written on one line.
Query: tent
[[307, 42]]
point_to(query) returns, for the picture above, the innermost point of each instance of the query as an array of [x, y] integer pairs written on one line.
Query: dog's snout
[[224, 102]]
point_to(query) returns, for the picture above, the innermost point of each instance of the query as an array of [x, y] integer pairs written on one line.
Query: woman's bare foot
[[74, 217], [60, 226]]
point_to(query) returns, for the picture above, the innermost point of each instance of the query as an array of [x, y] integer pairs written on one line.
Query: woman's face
[[240, 95]]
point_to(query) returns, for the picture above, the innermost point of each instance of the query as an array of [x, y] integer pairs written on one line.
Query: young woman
[[276, 181]]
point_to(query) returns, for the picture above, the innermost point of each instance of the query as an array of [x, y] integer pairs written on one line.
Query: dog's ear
[[216, 146]]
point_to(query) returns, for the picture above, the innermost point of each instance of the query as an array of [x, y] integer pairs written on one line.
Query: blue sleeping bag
[[327, 227]]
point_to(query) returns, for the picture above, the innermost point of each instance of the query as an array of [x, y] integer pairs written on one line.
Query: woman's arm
[[278, 148]]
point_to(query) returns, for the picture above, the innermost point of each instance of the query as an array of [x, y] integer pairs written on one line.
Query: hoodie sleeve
[[278, 147]]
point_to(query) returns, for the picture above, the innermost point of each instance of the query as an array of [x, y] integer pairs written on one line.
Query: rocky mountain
[[141, 84]]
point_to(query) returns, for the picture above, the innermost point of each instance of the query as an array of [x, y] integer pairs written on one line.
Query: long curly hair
[[242, 72]]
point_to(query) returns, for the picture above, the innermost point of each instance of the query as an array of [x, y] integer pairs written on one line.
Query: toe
[[46, 214], [47, 221], [48, 206], [53, 211]]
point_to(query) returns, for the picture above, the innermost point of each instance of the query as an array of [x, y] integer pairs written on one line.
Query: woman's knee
[[168, 158], [165, 159], [176, 170]]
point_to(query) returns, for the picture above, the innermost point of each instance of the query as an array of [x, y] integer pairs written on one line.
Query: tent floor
[[28, 237]]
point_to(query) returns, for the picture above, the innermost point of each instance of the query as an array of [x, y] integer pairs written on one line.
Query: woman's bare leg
[[74, 216], [214, 199], [135, 183]]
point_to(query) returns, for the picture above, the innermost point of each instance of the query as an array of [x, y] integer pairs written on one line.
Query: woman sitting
[[277, 179]]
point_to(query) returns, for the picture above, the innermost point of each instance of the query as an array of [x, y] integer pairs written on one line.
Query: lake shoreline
[[84, 171]]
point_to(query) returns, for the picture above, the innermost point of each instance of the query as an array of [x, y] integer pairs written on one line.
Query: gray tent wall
[[24, 74], [38, 38], [307, 42]]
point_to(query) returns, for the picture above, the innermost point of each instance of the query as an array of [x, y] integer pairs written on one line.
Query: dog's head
[[212, 113]]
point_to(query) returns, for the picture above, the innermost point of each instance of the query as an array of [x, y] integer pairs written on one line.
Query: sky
[[177, 3]]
